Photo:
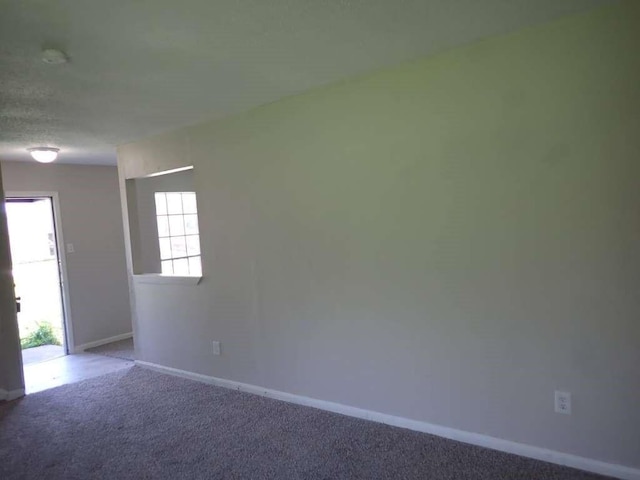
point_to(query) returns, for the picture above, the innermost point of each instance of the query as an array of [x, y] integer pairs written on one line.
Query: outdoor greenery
[[42, 335]]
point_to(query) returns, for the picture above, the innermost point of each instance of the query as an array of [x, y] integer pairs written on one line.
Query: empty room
[[320, 239]]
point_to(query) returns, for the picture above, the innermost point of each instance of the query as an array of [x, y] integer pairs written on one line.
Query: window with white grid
[[178, 234]]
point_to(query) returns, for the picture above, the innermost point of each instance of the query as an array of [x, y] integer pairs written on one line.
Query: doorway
[[38, 277]]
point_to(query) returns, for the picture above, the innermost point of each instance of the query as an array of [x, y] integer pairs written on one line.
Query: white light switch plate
[[216, 348]]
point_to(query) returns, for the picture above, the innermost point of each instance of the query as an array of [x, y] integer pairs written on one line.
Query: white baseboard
[[11, 394], [551, 456], [104, 341]]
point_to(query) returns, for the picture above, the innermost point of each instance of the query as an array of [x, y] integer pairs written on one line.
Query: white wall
[[91, 221], [448, 241], [11, 380]]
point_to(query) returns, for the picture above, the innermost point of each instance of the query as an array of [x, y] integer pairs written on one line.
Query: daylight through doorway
[[36, 273]]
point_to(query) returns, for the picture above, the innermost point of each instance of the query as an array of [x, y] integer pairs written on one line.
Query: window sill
[[159, 279]]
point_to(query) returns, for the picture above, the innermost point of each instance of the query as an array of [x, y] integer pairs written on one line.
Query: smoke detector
[[53, 56]]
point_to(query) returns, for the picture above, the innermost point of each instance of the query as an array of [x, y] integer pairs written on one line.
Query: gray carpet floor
[[138, 424], [121, 349]]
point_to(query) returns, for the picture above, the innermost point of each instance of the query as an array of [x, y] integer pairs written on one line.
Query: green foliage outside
[[42, 335]]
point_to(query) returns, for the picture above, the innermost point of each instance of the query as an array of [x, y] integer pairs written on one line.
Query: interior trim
[[551, 456], [104, 341], [158, 278], [11, 394]]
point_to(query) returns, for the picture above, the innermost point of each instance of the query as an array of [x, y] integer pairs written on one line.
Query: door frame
[[68, 343]]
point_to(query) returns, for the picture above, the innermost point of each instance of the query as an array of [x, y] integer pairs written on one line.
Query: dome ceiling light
[[44, 154]]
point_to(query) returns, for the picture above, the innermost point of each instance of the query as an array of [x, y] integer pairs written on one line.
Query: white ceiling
[[141, 67]]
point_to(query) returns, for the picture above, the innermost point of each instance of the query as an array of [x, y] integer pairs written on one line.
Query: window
[[178, 234]]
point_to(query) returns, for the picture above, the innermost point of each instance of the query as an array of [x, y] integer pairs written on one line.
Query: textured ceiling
[[141, 67]]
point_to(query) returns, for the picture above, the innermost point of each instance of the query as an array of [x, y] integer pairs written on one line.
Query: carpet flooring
[[121, 349], [139, 424]]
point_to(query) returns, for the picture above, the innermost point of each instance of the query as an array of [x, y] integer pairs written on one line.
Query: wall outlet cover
[[562, 402]]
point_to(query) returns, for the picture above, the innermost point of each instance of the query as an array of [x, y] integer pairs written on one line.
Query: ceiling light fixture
[[44, 154]]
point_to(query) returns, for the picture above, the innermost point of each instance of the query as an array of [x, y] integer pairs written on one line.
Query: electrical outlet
[[563, 402], [70, 248], [216, 348]]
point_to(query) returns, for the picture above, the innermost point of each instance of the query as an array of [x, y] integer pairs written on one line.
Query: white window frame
[[189, 233]]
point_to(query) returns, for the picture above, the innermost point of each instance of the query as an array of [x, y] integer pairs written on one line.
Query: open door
[[37, 273]]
